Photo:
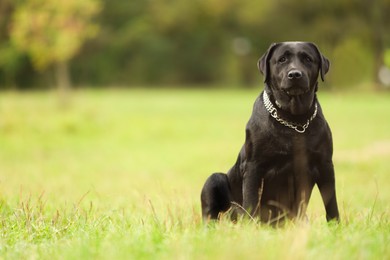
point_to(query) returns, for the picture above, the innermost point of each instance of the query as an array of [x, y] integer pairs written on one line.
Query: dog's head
[[291, 71]]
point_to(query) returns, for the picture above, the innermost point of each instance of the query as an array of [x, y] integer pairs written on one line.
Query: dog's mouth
[[295, 91]]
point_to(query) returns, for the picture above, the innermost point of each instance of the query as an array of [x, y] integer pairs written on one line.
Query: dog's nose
[[294, 74]]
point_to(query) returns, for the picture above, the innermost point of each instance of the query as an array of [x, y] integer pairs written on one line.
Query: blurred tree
[[377, 12], [173, 42], [334, 25], [387, 58], [52, 32], [188, 42], [10, 58], [10, 62]]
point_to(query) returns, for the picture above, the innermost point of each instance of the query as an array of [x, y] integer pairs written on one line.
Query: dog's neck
[[285, 114]]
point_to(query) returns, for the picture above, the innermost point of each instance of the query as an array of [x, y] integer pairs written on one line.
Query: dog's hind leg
[[215, 196]]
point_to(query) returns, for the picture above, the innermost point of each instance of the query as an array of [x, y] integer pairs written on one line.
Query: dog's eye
[[282, 59], [308, 59]]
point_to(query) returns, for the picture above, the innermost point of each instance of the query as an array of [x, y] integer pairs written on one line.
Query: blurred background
[[161, 93], [209, 43]]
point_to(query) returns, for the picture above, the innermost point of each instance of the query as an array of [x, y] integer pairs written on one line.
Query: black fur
[[277, 167]]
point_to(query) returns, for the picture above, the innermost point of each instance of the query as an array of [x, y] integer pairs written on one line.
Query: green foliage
[[118, 176], [193, 42], [188, 42], [387, 58], [351, 64], [10, 60], [52, 31]]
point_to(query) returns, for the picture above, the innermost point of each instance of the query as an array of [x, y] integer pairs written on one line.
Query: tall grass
[[118, 175]]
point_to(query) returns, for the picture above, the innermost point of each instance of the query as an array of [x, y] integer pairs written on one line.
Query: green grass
[[118, 175]]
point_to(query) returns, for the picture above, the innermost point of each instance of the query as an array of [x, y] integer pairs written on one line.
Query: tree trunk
[[63, 81]]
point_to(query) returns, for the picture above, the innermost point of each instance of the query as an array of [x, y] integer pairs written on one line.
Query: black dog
[[288, 145]]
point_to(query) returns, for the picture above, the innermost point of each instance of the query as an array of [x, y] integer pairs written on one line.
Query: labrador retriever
[[288, 144]]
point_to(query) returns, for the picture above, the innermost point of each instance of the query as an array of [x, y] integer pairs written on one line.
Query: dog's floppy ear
[[324, 62], [263, 63]]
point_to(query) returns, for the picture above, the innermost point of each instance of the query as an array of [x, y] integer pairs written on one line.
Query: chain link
[[274, 113]]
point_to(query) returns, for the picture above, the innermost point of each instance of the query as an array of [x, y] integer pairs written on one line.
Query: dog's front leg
[[252, 189], [252, 180], [326, 185]]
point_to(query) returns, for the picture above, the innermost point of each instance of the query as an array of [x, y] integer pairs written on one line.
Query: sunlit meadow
[[117, 174]]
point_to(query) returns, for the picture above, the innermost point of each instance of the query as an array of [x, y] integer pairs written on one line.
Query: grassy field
[[118, 175]]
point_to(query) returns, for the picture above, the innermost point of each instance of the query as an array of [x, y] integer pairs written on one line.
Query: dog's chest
[[287, 156]]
